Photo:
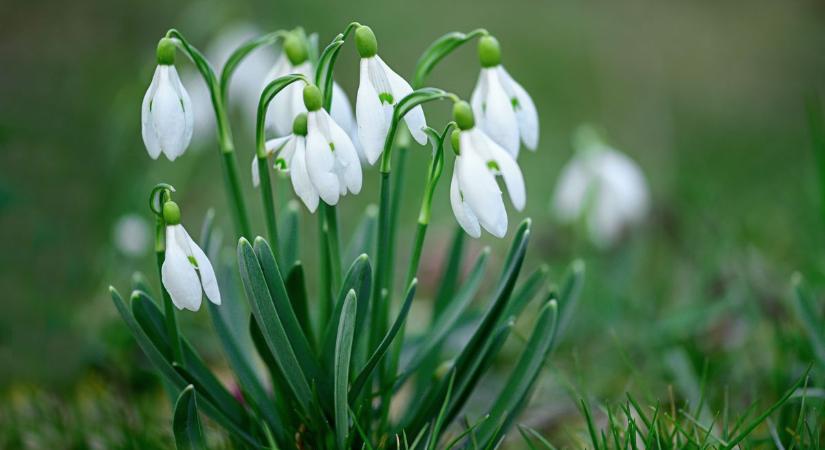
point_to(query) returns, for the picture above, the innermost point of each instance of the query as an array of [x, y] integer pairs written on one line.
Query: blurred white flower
[[502, 108], [290, 156], [186, 271], [131, 235], [603, 187], [331, 160], [379, 89], [166, 114], [474, 192]]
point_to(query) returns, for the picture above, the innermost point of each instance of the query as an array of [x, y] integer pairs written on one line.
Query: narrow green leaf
[[570, 292], [343, 352], [379, 352], [806, 313], [448, 283], [295, 284], [289, 227], [186, 424], [516, 390], [526, 292], [263, 308], [359, 279], [363, 239]]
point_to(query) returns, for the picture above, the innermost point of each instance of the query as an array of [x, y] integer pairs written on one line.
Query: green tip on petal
[[296, 49], [312, 97], [365, 42], [166, 52], [171, 213], [463, 115], [489, 51], [299, 125], [454, 140]]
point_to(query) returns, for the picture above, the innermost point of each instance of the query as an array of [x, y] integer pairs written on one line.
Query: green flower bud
[[489, 52], [455, 138], [365, 42], [171, 213], [299, 125], [166, 52], [312, 97], [463, 115], [296, 49]]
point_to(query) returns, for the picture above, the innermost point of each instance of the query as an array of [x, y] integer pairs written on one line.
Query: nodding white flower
[[502, 107], [331, 160], [474, 192], [186, 271], [166, 113], [603, 187], [131, 235], [290, 154], [379, 90], [289, 102]]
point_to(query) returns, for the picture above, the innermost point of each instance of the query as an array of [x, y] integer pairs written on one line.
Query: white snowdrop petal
[[205, 270], [495, 115], [320, 161], [481, 192], [627, 183], [274, 145], [341, 109], [415, 119], [301, 182], [186, 102], [150, 138], [348, 165], [371, 115], [510, 170], [168, 118], [570, 192], [463, 214], [178, 275], [526, 113], [256, 175]]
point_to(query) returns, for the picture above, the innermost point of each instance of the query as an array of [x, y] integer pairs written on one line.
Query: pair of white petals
[[289, 103], [605, 186], [322, 165], [474, 192], [379, 90], [504, 110], [166, 115], [184, 279]]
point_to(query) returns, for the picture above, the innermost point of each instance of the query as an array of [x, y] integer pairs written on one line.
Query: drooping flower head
[[601, 186], [474, 192], [379, 89], [186, 272], [502, 107], [166, 113], [289, 103], [290, 157], [331, 160]]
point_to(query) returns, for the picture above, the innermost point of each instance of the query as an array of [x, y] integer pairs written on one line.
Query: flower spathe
[[166, 115], [186, 271], [502, 108], [475, 196], [290, 154], [379, 90], [603, 187]]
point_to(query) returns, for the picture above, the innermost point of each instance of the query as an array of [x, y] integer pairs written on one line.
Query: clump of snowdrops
[[336, 357]]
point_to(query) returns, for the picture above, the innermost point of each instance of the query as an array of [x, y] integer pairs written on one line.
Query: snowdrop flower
[[331, 160], [474, 192], [602, 187], [166, 115], [378, 92], [289, 102], [290, 154], [504, 109], [131, 235], [186, 271]]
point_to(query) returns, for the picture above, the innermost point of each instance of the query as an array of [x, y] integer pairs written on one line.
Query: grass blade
[[343, 352], [186, 424]]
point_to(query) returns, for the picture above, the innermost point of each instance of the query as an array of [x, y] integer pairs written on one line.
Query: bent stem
[[225, 142], [163, 193]]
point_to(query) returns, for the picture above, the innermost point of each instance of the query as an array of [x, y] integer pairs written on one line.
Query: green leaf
[[363, 239], [526, 292], [263, 308], [343, 352], [295, 284], [186, 424], [451, 275], [289, 236], [571, 289], [807, 315], [515, 392], [359, 279], [379, 352]]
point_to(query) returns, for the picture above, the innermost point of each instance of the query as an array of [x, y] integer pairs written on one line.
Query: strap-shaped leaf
[[379, 352], [186, 424], [363, 239], [263, 308], [295, 284], [516, 390], [806, 313], [526, 292], [452, 274], [570, 293], [343, 352], [289, 235], [359, 279]]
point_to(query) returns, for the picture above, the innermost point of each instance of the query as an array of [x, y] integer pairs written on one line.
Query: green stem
[[325, 275], [268, 203], [333, 241], [225, 141]]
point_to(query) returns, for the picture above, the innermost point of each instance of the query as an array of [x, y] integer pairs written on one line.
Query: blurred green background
[[707, 96]]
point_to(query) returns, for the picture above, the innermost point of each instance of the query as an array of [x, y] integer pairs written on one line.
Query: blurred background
[[708, 97]]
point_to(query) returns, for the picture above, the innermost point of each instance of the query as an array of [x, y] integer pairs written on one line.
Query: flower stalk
[[161, 194]]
